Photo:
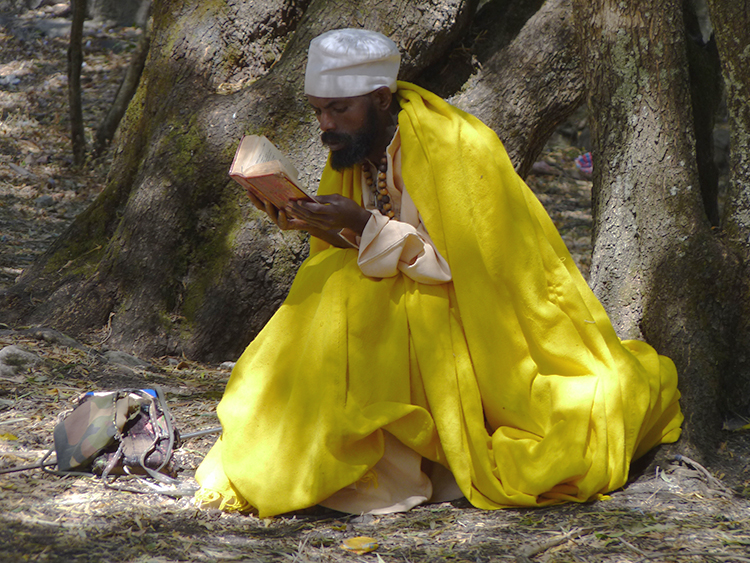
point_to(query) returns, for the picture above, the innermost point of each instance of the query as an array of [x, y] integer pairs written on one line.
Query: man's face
[[350, 128]]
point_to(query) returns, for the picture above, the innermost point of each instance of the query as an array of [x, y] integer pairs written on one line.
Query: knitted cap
[[350, 62]]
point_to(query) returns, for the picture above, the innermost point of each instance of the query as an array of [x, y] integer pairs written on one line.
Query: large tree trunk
[[172, 252], [731, 21], [660, 270]]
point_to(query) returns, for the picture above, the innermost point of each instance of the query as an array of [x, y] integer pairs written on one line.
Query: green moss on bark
[[209, 259], [79, 250]]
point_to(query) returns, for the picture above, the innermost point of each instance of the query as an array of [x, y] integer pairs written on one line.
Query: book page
[[255, 150]]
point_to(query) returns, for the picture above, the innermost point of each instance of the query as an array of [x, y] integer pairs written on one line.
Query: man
[[456, 351]]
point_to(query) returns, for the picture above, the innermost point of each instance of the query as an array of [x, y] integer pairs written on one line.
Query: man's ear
[[381, 98]]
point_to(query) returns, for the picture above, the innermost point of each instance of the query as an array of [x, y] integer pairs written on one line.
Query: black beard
[[356, 146]]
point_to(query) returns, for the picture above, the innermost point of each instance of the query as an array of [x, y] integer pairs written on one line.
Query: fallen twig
[[661, 555], [631, 547], [526, 554], [713, 481]]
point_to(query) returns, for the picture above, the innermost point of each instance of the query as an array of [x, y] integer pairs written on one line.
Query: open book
[[264, 171]]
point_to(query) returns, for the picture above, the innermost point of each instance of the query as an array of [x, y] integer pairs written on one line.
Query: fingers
[[285, 222], [288, 222], [281, 217], [272, 211], [331, 213], [308, 213], [308, 209], [256, 202], [334, 212], [333, 198]]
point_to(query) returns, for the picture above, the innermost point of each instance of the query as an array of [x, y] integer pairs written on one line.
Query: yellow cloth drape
[[511, 376]]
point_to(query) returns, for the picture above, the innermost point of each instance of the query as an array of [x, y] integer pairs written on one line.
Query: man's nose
[[326, 123]]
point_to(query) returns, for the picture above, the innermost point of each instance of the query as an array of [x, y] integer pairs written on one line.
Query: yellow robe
[[511, 375]]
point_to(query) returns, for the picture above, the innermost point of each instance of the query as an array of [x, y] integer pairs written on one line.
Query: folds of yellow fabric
[[569, 405], [304, 406]]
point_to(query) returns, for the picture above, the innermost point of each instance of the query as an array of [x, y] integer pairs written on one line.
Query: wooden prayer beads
[[382, 199]]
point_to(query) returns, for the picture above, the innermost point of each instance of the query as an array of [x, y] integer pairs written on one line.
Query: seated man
[[458, 351]]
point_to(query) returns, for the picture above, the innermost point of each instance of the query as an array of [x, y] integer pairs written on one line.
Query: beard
[[356, 146]]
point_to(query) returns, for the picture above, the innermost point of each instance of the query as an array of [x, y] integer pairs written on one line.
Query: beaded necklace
[[382, 200]]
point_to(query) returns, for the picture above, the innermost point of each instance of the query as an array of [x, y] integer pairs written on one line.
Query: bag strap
[[171, 432], [154, 414]]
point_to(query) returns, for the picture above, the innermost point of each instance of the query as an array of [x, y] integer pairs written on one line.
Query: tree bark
[[171, 248], [657, 266], [492, 29], [75, 61], [731, 22]]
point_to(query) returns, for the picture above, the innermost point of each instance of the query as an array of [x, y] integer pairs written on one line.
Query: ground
[[669, 512]]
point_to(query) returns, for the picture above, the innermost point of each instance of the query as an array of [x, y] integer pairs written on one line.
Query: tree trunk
[[732, 24], [657, 266], [121, 12], [75, 61], [172, 248], [731, 21], [125, 93]]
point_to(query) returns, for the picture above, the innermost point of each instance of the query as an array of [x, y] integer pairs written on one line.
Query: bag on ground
[[125, 431]]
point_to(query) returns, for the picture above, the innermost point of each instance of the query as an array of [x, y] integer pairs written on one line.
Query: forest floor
[[675, 512]]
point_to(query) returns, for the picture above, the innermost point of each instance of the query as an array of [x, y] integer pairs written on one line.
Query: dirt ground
[[672, 513]]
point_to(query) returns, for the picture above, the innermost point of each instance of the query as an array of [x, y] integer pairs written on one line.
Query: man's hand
[[278, 216], [332, 213], [326, 218]]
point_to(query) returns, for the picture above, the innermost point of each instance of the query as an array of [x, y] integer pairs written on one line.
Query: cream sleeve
[[391, 246]]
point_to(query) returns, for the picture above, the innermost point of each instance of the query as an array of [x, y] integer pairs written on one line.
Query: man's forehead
[[323, 103]]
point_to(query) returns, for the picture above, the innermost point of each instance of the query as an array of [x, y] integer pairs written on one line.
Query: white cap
[[350, 62]]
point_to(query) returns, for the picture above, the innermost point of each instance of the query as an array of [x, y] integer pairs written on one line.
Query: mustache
[[330, 138]]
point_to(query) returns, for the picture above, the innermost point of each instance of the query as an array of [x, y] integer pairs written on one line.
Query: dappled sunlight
[[40, 192]]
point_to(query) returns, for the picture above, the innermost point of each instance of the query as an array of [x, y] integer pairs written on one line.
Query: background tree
[[177, 259], [731, 21], [120, 12], [660, 269], [130, 81], [75, 60]]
